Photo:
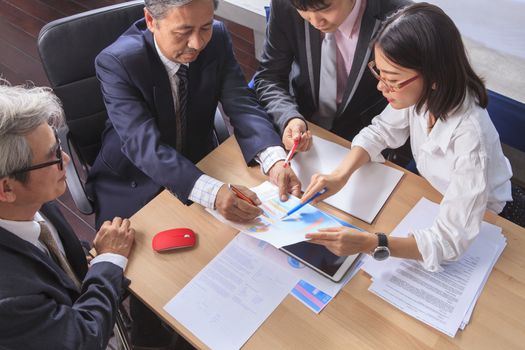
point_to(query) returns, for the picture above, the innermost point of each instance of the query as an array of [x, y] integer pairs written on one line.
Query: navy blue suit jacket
[[40, 307], [138, 157]]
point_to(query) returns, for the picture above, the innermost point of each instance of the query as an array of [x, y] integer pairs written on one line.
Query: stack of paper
[[444, 300], [368, 188]]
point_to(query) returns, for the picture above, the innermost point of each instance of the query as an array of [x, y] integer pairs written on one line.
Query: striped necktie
[[182, 93], [327, 83], [47, 239]]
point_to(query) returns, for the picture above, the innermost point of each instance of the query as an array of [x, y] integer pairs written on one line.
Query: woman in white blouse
[[435, 98]]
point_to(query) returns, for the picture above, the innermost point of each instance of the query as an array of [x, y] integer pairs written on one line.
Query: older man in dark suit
[[162, 81], [314, 66], [49, 297]]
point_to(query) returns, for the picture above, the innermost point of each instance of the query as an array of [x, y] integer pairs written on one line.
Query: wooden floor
[[20, 23]]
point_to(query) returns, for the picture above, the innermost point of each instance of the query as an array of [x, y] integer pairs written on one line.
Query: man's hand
[[286, 179], [235, 209], [295, 130], [115, 237]]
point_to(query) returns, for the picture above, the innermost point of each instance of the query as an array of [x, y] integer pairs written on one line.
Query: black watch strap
[[382, 240]]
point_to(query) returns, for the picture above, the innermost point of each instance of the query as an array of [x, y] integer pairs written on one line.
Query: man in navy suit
[[162, 81], [49, 297]]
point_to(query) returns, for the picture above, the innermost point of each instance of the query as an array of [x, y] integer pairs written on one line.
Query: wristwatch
[[381, 252]]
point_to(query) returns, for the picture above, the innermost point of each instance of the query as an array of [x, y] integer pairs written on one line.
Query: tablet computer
[[320, 259]]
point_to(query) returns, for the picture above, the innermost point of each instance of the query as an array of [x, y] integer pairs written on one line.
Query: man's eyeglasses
[[59, 160], [390, 87]]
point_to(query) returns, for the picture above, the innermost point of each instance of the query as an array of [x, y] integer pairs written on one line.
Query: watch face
[[381, 253]]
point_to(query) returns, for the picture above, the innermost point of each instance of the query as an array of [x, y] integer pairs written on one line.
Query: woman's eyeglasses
[[59, 160], [390, 87]]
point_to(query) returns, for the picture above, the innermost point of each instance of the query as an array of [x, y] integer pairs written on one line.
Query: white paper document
[[443, 300], [271, 228], [313, 290], [225, 303], [368, 188]]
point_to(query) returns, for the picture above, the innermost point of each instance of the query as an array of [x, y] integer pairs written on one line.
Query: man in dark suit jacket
[[156, 131], [288, 79], [49, 298]]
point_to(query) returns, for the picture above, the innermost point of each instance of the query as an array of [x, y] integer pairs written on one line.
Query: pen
[[299, 206], [241, 195], [292, 151]]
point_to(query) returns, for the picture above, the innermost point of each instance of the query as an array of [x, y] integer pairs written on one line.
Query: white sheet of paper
[[443, 300], [367, 190], [231, 297]]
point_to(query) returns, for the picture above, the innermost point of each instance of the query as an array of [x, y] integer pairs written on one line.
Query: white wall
[[494, 33]]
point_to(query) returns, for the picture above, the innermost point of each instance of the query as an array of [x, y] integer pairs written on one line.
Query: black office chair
[[68, 48]]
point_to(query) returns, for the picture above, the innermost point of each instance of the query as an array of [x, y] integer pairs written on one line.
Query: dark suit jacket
[[40, 307], [138, 157], [287, 81]]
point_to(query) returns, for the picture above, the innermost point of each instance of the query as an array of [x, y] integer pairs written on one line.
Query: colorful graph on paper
[[270, 226]]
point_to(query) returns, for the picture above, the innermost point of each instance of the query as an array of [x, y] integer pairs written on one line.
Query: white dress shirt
[[461, 157], [30, 231], [206, 187]]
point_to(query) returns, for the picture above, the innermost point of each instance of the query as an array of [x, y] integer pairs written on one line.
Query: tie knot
[[328, 36], [45, 233], [182, 72]]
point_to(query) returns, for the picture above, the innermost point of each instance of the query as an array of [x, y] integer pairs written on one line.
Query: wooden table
[[356, 318]]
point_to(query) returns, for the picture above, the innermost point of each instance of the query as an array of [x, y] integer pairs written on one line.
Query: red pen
[[241, 195], [292, 151], [244, 197]]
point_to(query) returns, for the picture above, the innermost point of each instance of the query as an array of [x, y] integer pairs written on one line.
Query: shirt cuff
[[372, 149], [268, 157], [205, 191], [117, 259]]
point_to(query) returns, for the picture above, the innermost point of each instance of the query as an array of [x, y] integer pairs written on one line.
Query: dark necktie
[[182, 93], [47, 239]]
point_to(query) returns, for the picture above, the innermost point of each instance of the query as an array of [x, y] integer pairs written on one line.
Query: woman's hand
[[332, 182], [344, 241]]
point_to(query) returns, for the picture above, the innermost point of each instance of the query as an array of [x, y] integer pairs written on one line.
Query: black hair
[[310, 5], [423, 38]]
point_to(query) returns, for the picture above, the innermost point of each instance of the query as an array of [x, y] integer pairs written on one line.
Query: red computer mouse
[[173, 239]]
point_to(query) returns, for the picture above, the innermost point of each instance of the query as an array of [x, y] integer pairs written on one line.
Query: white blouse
[[462, 158]]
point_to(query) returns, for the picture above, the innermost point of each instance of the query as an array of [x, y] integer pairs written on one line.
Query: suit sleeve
[[138, 131], [49, 324], [253, 128], [272, 78]]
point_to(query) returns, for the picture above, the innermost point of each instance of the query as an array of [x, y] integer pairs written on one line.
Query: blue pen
[[299, 206]]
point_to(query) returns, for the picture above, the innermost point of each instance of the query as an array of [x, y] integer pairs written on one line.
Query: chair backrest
[[508, 116], [68, 48]]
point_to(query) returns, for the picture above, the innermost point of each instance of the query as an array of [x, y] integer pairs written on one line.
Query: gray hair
[[159, 8], [23, 109]]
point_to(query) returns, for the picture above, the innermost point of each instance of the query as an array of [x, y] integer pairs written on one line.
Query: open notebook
[[366, 192]]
